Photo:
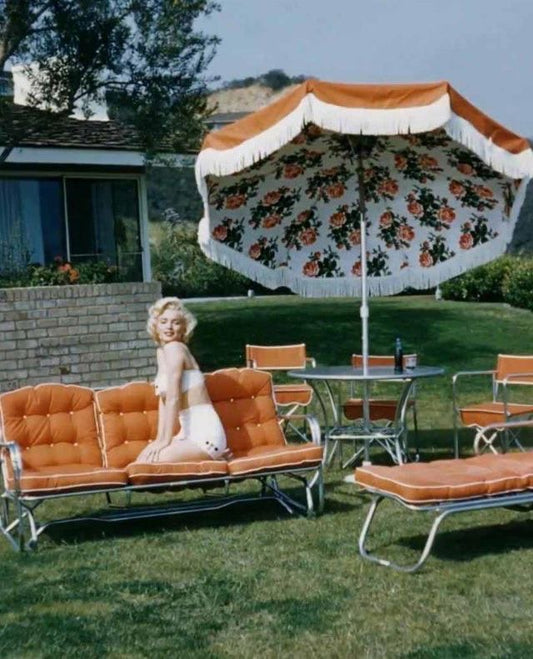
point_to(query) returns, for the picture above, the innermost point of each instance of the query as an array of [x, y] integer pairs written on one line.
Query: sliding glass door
[[75, 218], [103, 223]]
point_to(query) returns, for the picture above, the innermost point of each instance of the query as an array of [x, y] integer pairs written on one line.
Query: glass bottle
[[398, 356]]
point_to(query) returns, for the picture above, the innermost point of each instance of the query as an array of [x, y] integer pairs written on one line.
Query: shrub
[[518, 288], [183, 270], [483, 284], [60, 273]]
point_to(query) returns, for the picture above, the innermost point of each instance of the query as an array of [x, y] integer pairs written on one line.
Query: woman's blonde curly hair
[[160, 307]]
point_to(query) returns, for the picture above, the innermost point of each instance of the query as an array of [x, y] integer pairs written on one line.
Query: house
[[72, 188]]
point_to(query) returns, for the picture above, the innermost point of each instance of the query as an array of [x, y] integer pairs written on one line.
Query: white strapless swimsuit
[[199, 423]]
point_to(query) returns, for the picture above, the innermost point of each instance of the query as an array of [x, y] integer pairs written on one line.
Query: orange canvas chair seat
[[293, 394], [379, 409], [484, 414], [445, 487]]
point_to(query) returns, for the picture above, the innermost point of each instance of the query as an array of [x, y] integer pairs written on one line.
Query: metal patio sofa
[[445, 487], [69, 441]]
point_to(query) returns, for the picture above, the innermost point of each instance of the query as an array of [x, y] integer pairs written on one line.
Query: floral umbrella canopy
[[287, 190]]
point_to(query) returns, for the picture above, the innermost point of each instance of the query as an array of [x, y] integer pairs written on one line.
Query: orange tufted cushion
[[52, 479], [128, 420], [466, 478], [243, 400], [272, 458], [53, 424], [141, 473]]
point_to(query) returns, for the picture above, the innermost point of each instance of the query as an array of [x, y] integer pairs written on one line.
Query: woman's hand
[[151, 452]]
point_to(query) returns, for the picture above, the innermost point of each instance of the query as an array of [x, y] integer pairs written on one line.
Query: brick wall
[[92, 335]]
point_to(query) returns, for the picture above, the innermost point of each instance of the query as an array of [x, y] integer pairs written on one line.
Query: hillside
[[246, 99]]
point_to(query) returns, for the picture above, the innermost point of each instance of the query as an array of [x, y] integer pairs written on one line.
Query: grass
[[253, 581]]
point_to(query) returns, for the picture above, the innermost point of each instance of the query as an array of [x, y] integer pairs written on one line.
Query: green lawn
[[252, 581]]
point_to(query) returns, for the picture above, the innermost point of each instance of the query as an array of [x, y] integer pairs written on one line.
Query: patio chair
[[279, 359], [488, 417], [382, 409]]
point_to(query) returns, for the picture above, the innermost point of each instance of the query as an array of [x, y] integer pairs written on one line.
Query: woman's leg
[[182, 450]]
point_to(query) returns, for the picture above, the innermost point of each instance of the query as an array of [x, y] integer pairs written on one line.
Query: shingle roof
[[33, 127]]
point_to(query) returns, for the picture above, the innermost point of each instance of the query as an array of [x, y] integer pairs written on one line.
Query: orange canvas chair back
[[508, 365], [273, 358]]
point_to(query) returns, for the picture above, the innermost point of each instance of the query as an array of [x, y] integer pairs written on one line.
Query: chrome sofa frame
[[19, 525]]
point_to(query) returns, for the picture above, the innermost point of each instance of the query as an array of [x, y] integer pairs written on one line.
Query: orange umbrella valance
[[381, 109]]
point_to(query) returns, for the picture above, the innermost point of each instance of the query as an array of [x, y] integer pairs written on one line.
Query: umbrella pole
[[364, 312]]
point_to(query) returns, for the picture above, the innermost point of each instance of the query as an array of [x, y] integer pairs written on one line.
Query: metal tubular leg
[[376, 500]]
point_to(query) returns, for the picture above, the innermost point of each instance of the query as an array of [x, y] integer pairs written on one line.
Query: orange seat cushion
[[483, 414], [56, 479], [128, 421], [275, 458], [378, 409], [140, 473], [293, 394], [243, 400], [441, 480]]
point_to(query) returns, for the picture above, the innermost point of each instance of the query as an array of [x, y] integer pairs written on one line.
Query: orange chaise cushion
[[440, 480], [55, 428]]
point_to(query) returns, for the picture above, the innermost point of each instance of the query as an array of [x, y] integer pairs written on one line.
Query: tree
[[144, 56]]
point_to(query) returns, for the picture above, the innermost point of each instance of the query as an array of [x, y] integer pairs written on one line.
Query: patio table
[[393, 437]]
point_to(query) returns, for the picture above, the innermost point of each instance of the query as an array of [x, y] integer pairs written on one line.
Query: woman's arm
[[174, 358]]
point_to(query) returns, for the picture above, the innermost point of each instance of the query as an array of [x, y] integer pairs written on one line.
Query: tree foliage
[[144, 56], [275, 79]]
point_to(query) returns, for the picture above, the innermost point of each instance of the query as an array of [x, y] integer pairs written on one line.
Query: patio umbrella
[[361, 190]]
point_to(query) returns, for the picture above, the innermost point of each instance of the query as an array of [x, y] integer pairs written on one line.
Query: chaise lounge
[[68, 441], [445, 487]]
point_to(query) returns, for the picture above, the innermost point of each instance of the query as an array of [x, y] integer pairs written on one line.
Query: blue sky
[[483, 47]]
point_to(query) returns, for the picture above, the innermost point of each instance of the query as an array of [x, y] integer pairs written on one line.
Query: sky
[[484, 48]]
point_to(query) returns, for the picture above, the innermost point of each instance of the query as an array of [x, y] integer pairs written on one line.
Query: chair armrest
[[16, 461], [461, 374], [312, 422], [311, 360]]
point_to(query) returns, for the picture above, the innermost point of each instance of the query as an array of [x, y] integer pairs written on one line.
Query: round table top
[[374, 373]]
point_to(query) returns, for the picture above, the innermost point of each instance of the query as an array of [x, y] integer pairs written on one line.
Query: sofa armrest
[[312, 423], [16, 461]]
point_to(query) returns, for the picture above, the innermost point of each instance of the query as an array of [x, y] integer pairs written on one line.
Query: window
[[102, 222], [32, 225]]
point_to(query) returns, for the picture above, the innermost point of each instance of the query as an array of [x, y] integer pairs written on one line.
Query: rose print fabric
[[432, 209]]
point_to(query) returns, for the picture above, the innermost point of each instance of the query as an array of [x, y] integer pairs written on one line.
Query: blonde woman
[[182, 392]]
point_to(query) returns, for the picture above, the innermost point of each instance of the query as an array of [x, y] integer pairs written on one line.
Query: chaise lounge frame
[[521, 501]]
